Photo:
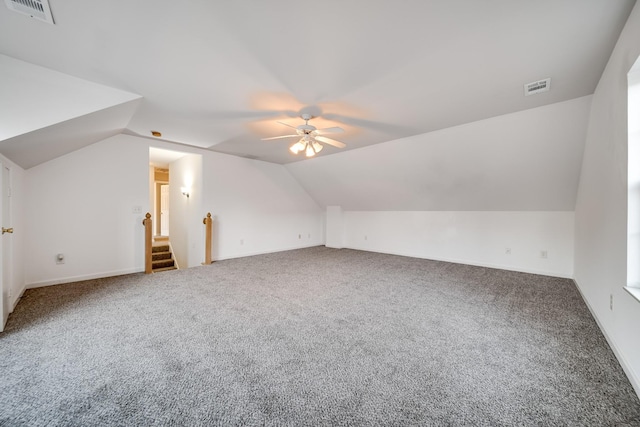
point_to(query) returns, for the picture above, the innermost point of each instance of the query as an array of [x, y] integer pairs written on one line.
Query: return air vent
[[537, 87], [38, 9]]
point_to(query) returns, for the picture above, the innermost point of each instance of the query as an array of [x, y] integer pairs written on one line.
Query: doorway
[[176, 220], [5, 247], [161, 202], [164, 209], [159, 190]]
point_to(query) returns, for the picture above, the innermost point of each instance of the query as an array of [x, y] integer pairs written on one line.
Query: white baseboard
[[626, 367], [474, 263], [271, 251], [80, 278]]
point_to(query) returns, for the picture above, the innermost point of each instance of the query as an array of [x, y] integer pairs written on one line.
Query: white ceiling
[[218, 74], [524, 161], [161, 158]]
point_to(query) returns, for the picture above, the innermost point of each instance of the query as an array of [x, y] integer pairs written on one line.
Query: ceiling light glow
[[310, 151]]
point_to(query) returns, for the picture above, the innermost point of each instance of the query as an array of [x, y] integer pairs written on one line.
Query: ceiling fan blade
[[334, 129], [241, 115], [279, 137], [286, 124], [330, 141], [387, 128]]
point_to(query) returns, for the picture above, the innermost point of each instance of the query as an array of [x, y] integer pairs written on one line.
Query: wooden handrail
[[148, 243], [207, 248]]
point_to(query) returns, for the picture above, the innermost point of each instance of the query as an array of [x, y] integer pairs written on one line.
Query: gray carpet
[[311, 337]]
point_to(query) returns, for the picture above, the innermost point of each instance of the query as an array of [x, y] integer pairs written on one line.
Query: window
[[633, 175]]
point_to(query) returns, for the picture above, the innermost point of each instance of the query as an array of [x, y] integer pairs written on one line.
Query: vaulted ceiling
[[220, 75]]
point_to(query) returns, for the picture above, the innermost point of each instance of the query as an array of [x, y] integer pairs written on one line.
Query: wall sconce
[[185, 191]]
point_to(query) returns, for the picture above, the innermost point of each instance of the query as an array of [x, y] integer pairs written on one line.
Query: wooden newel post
[[207, 248], [148, 233]]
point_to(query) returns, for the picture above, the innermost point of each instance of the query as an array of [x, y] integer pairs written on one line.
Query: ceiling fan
[[310, 137]]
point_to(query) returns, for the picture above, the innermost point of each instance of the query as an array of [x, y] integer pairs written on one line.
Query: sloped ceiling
[[219, 74], [524, 161], [429, 92], [33, 148], [45, 114]]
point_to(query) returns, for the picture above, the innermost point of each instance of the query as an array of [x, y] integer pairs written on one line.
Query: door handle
[[7, 230]]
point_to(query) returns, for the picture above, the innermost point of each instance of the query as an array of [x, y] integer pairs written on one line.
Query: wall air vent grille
[[38, 9], [537, 87]]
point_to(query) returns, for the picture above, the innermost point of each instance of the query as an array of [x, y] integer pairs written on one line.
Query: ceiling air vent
[[537, 87], [38, 9]]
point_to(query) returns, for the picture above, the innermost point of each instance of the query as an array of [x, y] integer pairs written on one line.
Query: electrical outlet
[[507, 251], [241, 242], [611, 302], [309, 236], [365, 237], [544, 254], [60, 258], [299, 236]]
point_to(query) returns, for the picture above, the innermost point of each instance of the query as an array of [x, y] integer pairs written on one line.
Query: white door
[[5, 247], [164, 209]]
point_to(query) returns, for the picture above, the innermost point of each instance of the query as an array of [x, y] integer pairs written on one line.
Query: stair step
[[157, 270], [163, 263], [160, 255], [160, 248]]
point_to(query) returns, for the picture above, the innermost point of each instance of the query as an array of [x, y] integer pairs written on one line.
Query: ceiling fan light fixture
[[310, 152], [297, 147], [311, 140]]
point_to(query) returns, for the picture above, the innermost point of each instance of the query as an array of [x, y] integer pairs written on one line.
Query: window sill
[[634, 291]]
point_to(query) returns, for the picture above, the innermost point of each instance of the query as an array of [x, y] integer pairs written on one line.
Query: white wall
[[257, 207], [81, 204], [462, 194], [185, 218], [334, 227], [476, 238], [601, 208]]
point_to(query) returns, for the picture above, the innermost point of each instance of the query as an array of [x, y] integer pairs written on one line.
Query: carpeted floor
[[311, 337]]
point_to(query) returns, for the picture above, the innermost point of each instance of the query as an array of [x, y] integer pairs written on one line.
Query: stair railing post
[[207, 248], [148, 244]]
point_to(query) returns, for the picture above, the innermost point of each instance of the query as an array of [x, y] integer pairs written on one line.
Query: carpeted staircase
[[162, 258]]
